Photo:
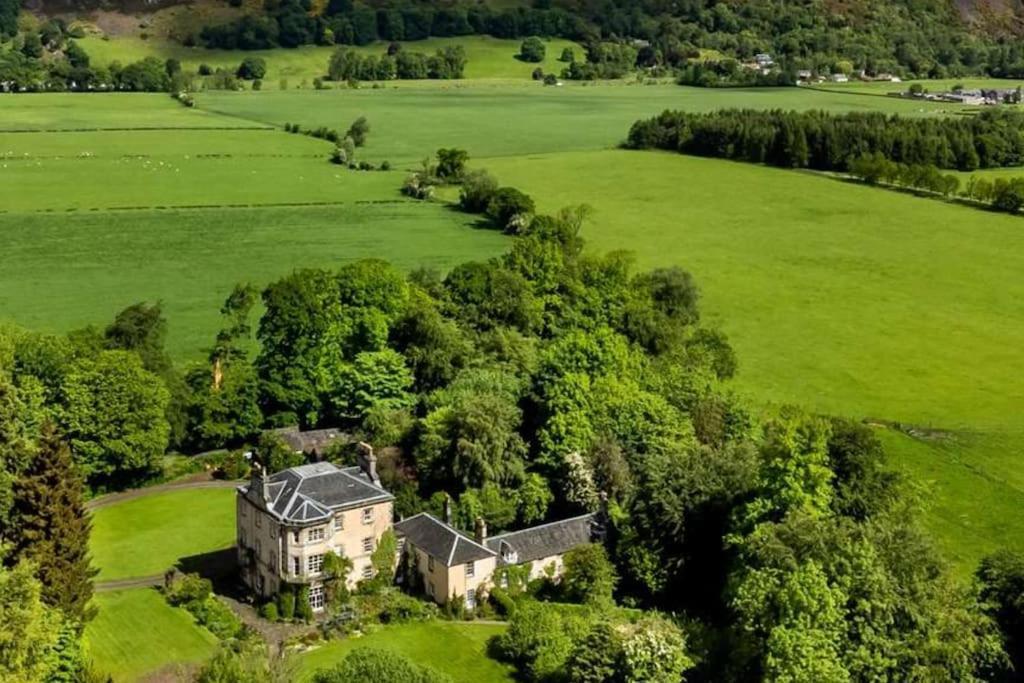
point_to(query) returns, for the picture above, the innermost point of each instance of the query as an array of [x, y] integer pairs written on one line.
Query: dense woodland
[[827, 141], [529, 387], [925, 38], [702, 42]]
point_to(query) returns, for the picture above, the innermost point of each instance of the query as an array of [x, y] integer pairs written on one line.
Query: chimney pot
[[368, 462]]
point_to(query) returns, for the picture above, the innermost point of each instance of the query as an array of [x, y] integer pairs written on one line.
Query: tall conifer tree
[[52, 527]]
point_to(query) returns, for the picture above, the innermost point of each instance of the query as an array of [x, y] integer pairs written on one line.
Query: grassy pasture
[[408, 124], [64, 270], [137, 633], [848, 299], [148, 535], [487, 57], [251, 167], [118, 111], [100, 219], [457, 649]]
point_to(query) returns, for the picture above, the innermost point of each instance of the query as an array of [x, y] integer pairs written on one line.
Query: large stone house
[[289, 521]]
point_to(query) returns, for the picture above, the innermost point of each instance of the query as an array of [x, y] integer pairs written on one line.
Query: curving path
[[126, 584], [114, 498]]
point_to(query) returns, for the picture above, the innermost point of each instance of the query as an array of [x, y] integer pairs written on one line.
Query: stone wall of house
[[270, 553]]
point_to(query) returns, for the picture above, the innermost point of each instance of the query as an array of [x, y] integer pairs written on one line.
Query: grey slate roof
[[312, 493], [545, 540], [444, 543]]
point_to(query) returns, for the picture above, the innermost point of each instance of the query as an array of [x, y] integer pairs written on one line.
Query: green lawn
[[501, 120], [847, 299], [148, 535], [136, 633], [457, 649], [486, 57]]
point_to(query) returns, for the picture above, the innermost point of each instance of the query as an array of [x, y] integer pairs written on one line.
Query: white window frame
[[315, 564], [339, 522], [471, 598], [296, 565], [470, 569], [368, 544], [368, 515], [315, 535], [368, 571], [430, 563], [317, 598]]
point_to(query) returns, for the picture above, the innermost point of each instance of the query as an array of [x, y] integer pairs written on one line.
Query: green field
[[181, 216], [515, 120], [486, 57], [850, 300], [457, 649], [200, 210], [148, 535], [63, 271], [136, 633], [109, 111]]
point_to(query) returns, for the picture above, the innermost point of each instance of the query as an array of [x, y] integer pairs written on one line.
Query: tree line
[[290, 23], [1000, 194], [348, 65], [910, 38], [828, 141]]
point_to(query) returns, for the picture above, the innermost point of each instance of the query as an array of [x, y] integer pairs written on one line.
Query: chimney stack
[[259, 485], [447, 509], [368, 462], [481, 530]]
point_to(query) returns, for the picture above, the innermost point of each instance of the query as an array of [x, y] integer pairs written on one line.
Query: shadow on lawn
[[219, 566]]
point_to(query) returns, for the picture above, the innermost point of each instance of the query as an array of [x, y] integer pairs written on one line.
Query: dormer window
[[508, 555]]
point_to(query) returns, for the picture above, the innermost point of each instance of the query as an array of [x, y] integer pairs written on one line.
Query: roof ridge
[[368, 482], [540, 526], [453, 530]]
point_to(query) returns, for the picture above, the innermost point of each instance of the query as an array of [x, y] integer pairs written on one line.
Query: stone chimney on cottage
[[447, 509], [367, 461], [481, 530]]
